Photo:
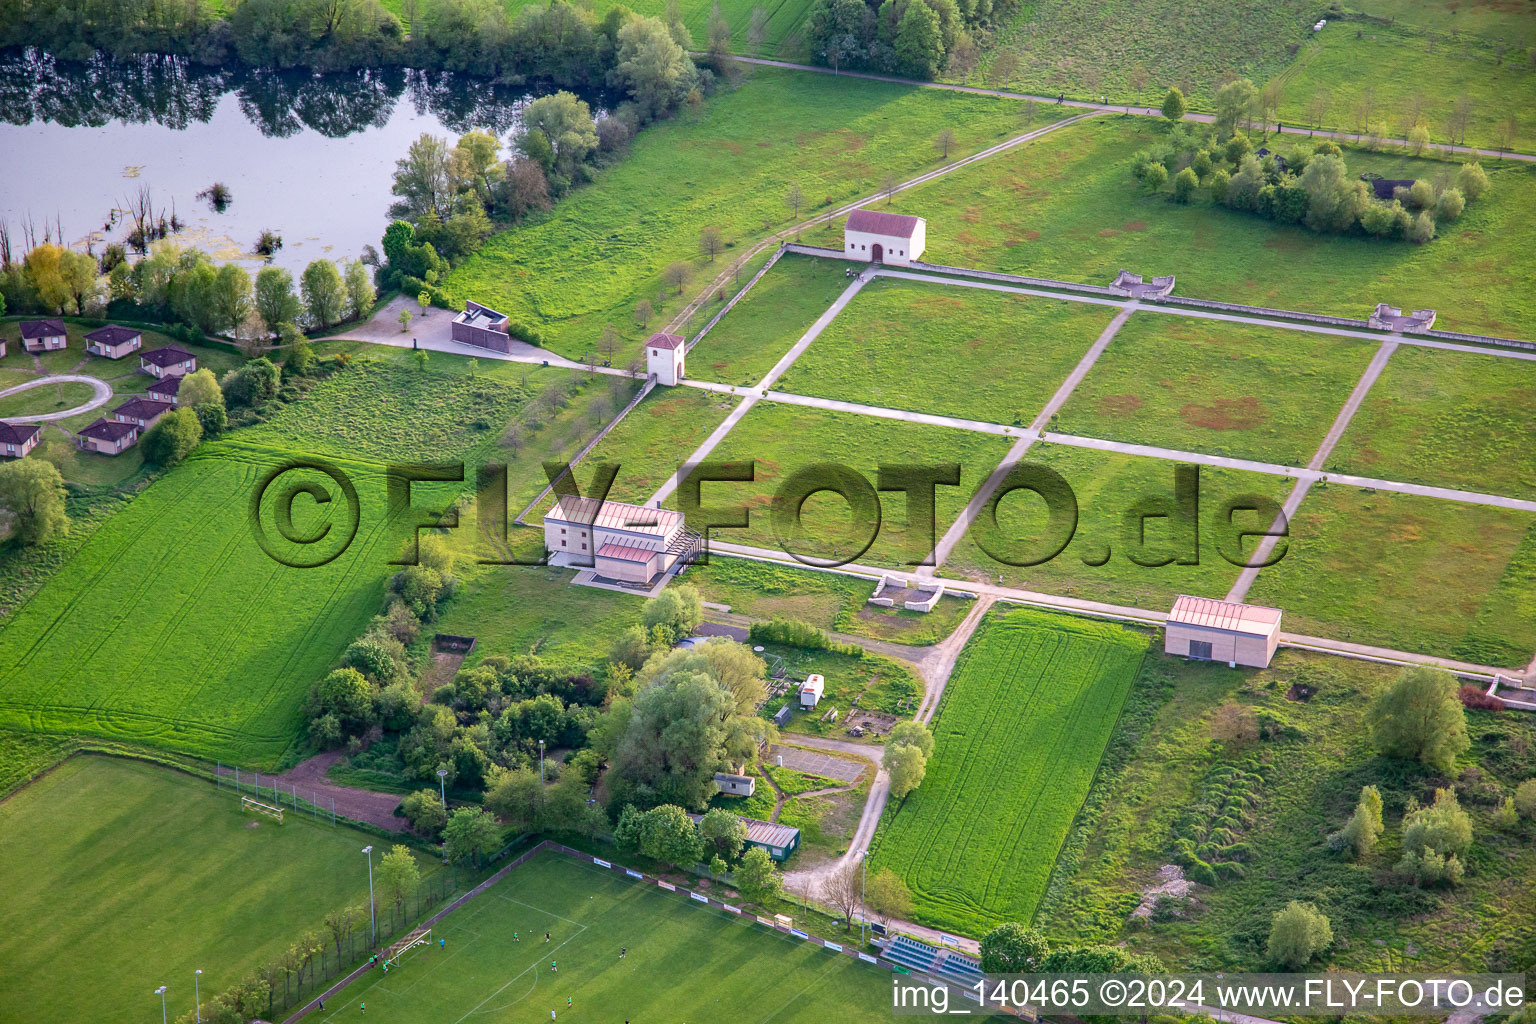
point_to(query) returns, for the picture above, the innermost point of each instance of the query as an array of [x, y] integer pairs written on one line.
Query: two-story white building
[[619, 541], [891, 238]]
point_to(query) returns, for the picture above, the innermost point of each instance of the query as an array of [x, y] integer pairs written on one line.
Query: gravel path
[[102, 397], [357, 804]]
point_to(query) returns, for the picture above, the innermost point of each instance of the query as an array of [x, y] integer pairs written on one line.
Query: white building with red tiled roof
[[1211, 630], [619, 541], [664, 358], [878, 237]]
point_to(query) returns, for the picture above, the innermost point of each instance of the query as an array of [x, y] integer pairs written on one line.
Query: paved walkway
[[103, 395], [1121, 108]]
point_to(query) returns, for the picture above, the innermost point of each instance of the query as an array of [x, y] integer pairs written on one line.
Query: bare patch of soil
[[1244, 413], [1119, 405]]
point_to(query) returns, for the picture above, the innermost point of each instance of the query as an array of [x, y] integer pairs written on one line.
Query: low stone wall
[[1264, 311], [1036, 282], [1480, 339]]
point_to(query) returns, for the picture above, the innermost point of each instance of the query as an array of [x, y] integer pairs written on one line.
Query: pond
[[308, 156]]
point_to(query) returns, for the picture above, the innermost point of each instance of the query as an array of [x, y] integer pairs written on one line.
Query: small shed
[[482, 326], [782, 716], [172, 360], [113, 342], [664, 356], [779, 840], [17, 439], [43, 335], [877, 237], [1211, 630], [735, 785], [811, 691]]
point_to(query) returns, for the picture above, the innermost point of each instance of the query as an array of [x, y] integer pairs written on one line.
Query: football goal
[[250, 805], [417, 940]]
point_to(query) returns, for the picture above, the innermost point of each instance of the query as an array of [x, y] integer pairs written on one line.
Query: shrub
[[1360, 833], [1154, 176], [1430, 868], [790, 633], [1419, 718], [1220, 181], [173, 438], [1422, 229], [371, 659], [1450, 205], [425, 811], [1442, 827], [1472, 181], [1297, 934], [1475, 697], [1525, 798], [1012, 948], [1506, 817], [1184, 185]]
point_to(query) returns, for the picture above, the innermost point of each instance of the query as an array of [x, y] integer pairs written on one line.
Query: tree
[[943, 142], [420, 357], [1234, 104], [565, 122], [919, 42], [425, 811], [711, 242], [1174, 106], [1185, 184], [345, 693], [198, 388], [888, 897], [757, 30], [1505, 134], [916, 733], [1525, 798], [667, 834], [399, 876], [360, 290], [1012, 948], [173, 437], [404, 320], [652, 68], [906, 766], [32, 492], [1418, 138], [673, 743], [1472, 180], [963, 57], [677, 609], [723, 833], [1334, 200], [1506, 817], [756, 878], [275, 302], [1442, 827], [1420, 718], [794, 199], [678, 274], [1297, 934], [1004, 66], [251, 385], [643, 313], [1364, 827], [632, 647], [472, 163], [424, 181], [841, 888], [324, 292], [471, 836], [1153, 176], [1450, 204], [231, 298]]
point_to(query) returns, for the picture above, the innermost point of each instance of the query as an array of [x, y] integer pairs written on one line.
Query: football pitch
[[686, 962]]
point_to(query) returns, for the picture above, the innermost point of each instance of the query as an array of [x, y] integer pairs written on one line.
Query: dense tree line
[[915, 38], [1309, 186]]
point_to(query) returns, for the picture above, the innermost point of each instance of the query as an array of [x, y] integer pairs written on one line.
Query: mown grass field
[[947, 349], [1065, 206], [1408, 572], [784, 439], [171, 627], [1317, 756], [730, 165], [1216, 387], [1107, 486], [1454, 419], [114, 869], [1018, 737], [685, 961], [764, 325], [49, 398], [761, 590], [1395, 68]]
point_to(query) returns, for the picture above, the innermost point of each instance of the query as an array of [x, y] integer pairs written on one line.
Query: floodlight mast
[[373, 916], [161, 993]]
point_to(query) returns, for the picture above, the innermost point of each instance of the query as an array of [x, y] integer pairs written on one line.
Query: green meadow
[[1217, 387], [947, 349], [729, 164], [1065, 206]]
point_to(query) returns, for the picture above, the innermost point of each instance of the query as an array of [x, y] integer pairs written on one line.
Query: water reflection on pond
[[308, 156]]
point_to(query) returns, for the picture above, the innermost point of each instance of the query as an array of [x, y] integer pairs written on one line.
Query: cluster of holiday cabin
[[890, 238], [129, 421], [625, 543]]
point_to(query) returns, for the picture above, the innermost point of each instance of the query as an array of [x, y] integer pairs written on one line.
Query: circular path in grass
[[101, 395]]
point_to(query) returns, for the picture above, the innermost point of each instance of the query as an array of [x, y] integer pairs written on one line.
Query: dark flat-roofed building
[[483, 327]]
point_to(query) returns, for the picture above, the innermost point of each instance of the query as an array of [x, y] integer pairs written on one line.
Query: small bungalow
[[166, 389], [483, 327], [779, 840], [1210, 630], [17, 439], [141, 412], [735, 785], [878, 237], [164, 362], [113, 342], [43, 335], [108, 437], [664, 355], [811, 691]]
